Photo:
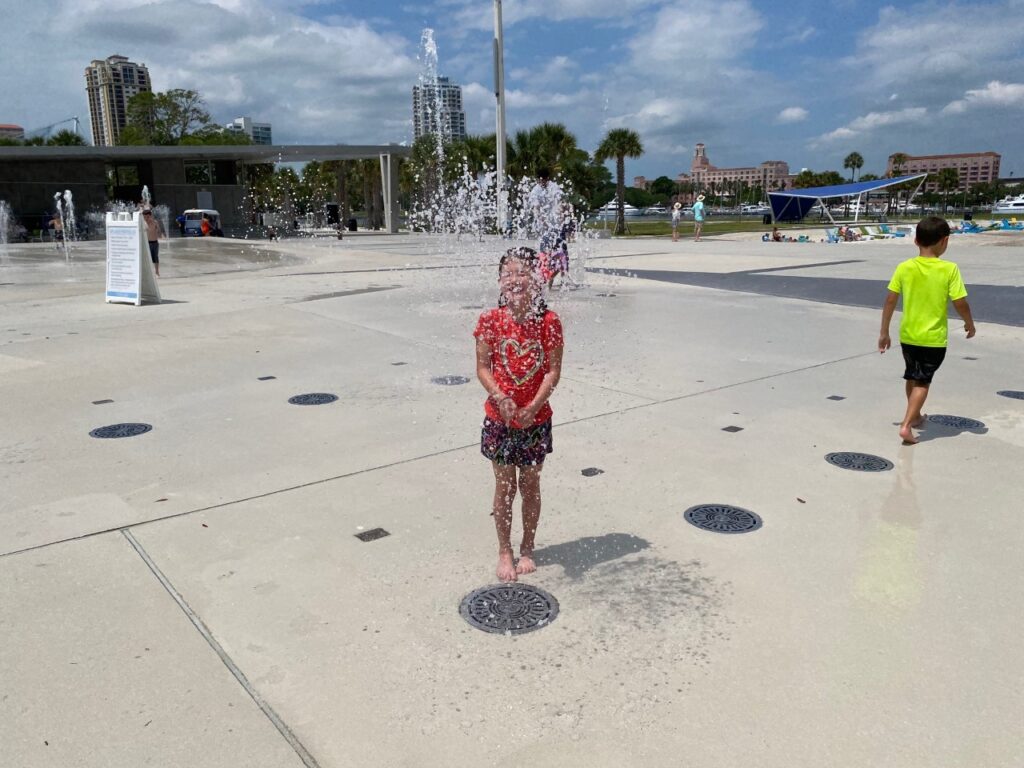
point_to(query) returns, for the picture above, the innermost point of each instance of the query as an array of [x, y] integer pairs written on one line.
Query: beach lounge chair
[[892, 233]]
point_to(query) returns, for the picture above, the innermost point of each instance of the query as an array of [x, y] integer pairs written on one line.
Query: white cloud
[[995, 94], [801, 35], [476, 15], [871, 122], [934, 46], [792, 115], [314, 81], [697, 37]]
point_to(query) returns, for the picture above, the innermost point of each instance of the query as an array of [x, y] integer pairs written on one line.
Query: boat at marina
[[610, 210], [1009, 205]]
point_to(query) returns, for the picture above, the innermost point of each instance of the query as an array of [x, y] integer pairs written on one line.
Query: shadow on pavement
[[579, 556]]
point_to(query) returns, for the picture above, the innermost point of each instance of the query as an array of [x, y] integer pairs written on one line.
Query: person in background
[[154, 231], [698, 218]]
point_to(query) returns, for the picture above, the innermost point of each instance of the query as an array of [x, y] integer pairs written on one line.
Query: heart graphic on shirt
[[519, 352]]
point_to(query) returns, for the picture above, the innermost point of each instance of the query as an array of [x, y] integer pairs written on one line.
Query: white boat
[[655, 210], [610, 210], [1009, 205]]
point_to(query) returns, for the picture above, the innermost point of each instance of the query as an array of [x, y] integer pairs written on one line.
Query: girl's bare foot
[[506, 567], [526, 565], [908, 435]]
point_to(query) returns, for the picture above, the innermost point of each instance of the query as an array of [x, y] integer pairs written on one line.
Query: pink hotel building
[[971, 167], [771, 174]]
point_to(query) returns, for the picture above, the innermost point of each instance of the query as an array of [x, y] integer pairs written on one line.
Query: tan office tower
[[110, 83]]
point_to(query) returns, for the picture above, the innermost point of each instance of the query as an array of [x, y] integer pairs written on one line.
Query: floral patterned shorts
[[520, 447]]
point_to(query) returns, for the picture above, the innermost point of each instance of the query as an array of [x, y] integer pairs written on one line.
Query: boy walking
[[927, 284]]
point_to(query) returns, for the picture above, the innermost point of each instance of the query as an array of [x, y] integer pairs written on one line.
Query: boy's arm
[[884, 342], [547, 386], [964, 310]]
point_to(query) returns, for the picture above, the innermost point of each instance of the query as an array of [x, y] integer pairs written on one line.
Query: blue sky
[[801, 81]]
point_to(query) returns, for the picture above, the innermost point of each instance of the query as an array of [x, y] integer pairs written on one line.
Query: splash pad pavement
[[249, 582]]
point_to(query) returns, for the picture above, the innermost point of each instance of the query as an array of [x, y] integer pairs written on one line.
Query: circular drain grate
[[957, 422], [1016, 395], [121, 430], [450, 381], [722, 518], [861, 462], [510, 609], [313, 398]]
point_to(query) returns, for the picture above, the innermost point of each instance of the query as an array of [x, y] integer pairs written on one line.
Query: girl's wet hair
[[529, 258]]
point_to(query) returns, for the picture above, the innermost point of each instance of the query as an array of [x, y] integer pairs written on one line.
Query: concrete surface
[[195, 596]]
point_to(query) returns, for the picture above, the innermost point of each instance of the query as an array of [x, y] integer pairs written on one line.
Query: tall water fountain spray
[[5, 222], [65, 206], [459, 202]]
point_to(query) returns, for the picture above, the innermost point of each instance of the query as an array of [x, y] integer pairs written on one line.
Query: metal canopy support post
[[821, 202], [856, 213], [499, 94], [389, 185]]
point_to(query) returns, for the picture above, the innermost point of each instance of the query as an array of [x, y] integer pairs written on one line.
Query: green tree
[[898, 161], [65, 138], [663, 185], [163, 119], [948, 179], [619, 143], [853, 162]]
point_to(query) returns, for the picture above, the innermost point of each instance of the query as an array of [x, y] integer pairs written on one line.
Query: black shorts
[[519, 447], [922, 362], [154, 251]]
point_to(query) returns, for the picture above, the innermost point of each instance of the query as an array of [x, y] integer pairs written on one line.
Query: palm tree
[[898, 160], [948, 179], [548, 145], [854, 161], [619, 143]]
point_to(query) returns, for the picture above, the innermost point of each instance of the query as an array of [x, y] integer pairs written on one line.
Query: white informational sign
[[130, 277]]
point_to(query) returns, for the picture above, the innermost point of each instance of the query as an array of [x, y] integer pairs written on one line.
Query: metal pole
[[499, 94]]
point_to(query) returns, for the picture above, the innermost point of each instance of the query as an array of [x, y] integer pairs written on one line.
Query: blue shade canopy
[[793, 204]]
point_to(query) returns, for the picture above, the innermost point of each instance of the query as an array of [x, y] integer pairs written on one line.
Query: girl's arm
[[506, 405], [547, 386]]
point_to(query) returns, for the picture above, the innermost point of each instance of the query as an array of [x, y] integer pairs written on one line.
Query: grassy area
[[711, 227]]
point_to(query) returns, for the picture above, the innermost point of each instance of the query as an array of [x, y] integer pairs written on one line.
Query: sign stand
[[130, 277]]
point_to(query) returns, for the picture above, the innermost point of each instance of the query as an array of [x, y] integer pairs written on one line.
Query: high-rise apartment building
[[111, 83], [438, 106], [258, 133], [971, 168]]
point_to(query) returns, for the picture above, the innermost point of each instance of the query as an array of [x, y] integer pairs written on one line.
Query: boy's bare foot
[[506, 567], [908, 435], [918, 423], [526, 565]]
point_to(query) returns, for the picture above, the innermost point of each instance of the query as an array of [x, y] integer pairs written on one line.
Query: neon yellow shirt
[[927, 284]]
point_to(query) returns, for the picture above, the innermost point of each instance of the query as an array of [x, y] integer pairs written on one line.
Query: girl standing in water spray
[[518, 362]]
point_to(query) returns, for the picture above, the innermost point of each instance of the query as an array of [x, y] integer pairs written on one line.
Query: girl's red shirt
[[520, 356]]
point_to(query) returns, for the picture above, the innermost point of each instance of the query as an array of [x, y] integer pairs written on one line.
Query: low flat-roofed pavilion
[[181, 176]]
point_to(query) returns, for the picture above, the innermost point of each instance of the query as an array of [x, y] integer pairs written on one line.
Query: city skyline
[[828, 79]]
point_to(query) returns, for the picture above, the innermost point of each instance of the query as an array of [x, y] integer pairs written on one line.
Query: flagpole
[[499, 94]]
